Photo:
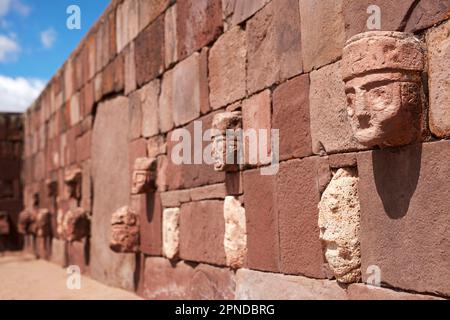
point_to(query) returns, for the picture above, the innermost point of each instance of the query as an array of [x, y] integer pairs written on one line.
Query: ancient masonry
[[362, 190]]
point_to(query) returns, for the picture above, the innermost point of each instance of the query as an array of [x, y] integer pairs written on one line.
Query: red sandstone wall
[[11, 145], [149, 67]]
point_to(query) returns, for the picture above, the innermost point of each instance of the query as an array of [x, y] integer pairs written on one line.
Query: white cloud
[[18, 93], [14, 5], [9, 48], [48, 38]]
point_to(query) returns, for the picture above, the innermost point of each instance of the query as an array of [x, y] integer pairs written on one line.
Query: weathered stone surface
[[43, 223], [171, 232], [198, 23], [235, 240], [111, 180], [170, 36], [438, 42], [227, 59], [254, 285], [291, 117], [403, 195], [135, 115], [202, 229], [214, 191], [156, 146], [75, 113], [26, 223], [124, 231], [339, 223], [428, 13], [75, 225], [359, 291], [226, 145], [150, 10], [244, 9], [189, 85], [324, 38], [175, 198], [297, 199], [273, 45], [149, 103], [257, 115], [149, 52], [393, 15], [212, 283], [165, 113], [262, 221], [130, 69], [330, 129], [150, 210], [144, 175], [127, 23]]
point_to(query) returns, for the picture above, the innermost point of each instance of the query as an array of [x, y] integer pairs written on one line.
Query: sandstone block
[[150, 10], [165, 113], [427, 13], [127, 22], [244, 9], [359, 291], [149, 102], [125, 231], [170, 36], [235, 240], [171, 232], [130, 69]]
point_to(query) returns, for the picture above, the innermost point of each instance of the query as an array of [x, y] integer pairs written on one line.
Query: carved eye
[[351, 104], [381, 97]]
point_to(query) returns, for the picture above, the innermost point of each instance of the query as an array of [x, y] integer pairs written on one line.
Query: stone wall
[[149, 68], [11, 145]]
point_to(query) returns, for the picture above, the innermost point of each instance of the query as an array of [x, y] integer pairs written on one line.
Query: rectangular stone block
[[199, 22], [149, 52], [227, 72], [127, 22], [243, 9], [202, 229], [215, 191], [273, 45], [166, 103], [170, 36], [135, 115], [261, 209], [427, 13], [360, 291], [330, 128], [149, 102], [404, 206], [150, 10], [291, 117], [255, 285], [324, 38], [298, 197], [130, 69]]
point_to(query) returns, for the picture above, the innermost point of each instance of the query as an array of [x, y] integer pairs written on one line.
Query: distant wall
[[148, 68]]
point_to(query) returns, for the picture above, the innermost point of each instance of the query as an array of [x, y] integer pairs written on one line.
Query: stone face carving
[[235, 240], [125, 231], [75, 224], [339, 223], [144, 175], [43, 223], [4, 223], [72, 178], [171, 232], [225, 151], [382, 74], [26, 223]]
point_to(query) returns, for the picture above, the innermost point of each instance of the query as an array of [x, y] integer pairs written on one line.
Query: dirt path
[[23, 277]]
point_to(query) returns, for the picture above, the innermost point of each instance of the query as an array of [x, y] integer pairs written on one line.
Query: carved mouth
[[364, 121]]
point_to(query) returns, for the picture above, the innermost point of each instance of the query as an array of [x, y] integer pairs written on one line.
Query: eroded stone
[[26, 222], [75, 224], [171, 232], [235, 239], [144, 175], [43, 223], [124, 231], [339, 223]]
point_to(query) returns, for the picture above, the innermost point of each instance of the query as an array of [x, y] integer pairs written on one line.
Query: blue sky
[[35, 42]]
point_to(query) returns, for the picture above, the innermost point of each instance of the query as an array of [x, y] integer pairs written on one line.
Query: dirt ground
[[25, 278]]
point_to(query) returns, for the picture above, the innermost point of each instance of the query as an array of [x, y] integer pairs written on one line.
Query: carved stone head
[[382, 74], [72, 179], [43, 223], [4, 223], [339, 223], [75, 224], [225, 128], [26, 223], [125, 231], [144, 175]]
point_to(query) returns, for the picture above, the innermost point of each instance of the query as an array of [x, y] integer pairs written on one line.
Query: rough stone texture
[[256, 114], [330, 129], [262, 221], [428, 13], [297, 199], [438, 42], [149, 52], [144, 175], [227, 72], [254, 285], [324, 38], [171, 232], [202, 230], [198, 23], [135, 115], [339, 223], [150, 10], [212, 283], [189, 85], [403, 224], [124, 231], [149, 103], [175, 198], [75, 225], [235, 239], [273, 45], [291, 117], [111, 191], [170, 36], [130, 69], [243, 9], [393, 15], [165, 114], [215, 191], [127, 23], [359, 291]]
